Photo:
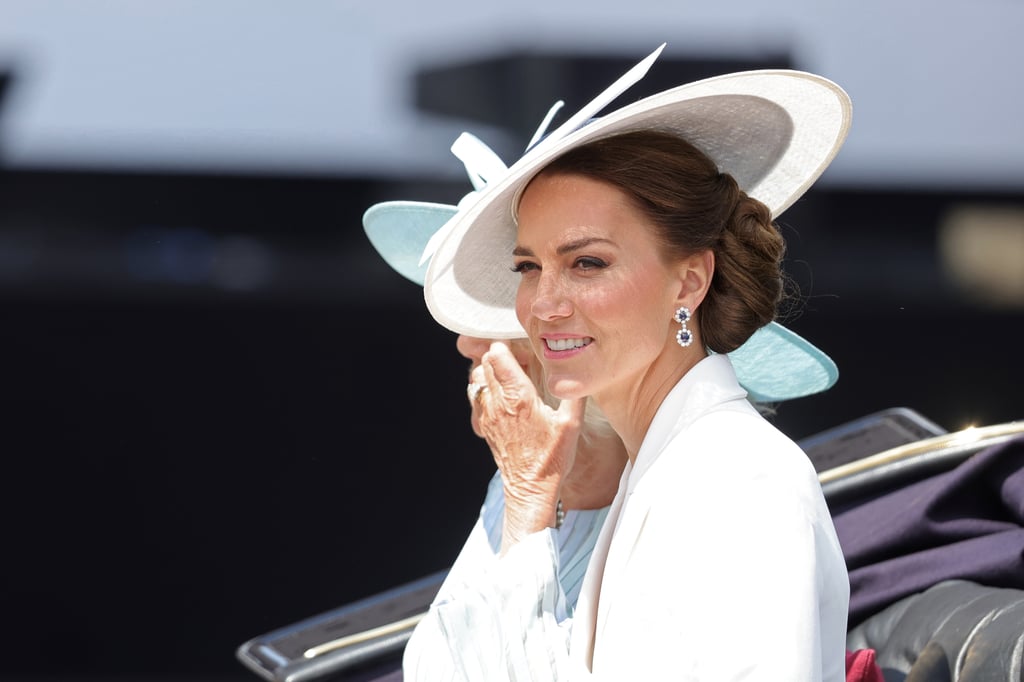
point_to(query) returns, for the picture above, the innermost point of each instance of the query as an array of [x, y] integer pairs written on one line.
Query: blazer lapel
[[629, 525], [585, 616]]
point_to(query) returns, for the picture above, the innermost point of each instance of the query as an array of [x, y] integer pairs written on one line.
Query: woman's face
[[596, 297]]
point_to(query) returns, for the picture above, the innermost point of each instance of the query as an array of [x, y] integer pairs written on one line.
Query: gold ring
[[474, 391]]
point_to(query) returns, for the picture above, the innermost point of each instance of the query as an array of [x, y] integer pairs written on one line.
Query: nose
[[472, 348], [549, 299]]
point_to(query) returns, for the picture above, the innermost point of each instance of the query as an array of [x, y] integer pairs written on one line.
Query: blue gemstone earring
[[683, 337]]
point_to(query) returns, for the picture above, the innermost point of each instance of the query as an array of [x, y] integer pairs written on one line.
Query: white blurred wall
[[322, 85]]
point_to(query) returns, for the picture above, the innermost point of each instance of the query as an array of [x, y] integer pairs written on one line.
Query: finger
[[476, 379], [490, 381], [501, 366], [475, 392]]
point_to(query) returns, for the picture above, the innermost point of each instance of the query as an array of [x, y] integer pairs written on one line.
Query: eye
[[525, 266], [590, 263]]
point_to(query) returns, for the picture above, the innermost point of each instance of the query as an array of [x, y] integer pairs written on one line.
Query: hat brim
[[400, 230], [774, 365], [774, 131], [777, 364]]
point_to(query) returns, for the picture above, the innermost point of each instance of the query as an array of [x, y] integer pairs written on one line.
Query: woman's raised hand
[[533, 444]]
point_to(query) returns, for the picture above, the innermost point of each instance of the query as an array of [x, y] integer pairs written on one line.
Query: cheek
[[472, 348], [634, 309], [524, 299], [610, 301], [522, 352]]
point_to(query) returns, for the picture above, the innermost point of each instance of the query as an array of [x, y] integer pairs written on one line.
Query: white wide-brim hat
[[774, 365], [774, 131]]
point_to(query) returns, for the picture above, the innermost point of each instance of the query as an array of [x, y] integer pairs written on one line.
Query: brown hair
[[695, 207]]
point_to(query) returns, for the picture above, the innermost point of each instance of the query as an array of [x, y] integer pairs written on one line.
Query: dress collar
[[708, 384]]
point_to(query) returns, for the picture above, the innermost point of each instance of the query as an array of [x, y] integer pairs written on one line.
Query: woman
[[641, 249], [775, 366]]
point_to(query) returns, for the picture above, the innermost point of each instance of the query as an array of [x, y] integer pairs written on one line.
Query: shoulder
[[740, 455], [739, 436]]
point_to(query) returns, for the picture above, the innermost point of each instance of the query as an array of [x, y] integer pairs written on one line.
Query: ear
[[695, 272]]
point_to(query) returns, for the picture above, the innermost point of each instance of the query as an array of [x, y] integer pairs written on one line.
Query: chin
[[567, 389]]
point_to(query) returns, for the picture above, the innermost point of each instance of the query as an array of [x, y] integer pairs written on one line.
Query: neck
[[630, 407], [594, 478]]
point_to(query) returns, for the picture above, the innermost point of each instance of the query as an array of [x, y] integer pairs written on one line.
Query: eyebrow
[[568, 247]]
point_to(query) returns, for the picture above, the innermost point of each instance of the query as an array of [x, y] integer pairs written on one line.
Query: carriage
[[932, 528]]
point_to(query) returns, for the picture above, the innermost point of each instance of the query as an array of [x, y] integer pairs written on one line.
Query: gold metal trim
[[975, 435], [364, 636]]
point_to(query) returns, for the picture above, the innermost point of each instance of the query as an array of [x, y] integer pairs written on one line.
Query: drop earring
[[683, 337]]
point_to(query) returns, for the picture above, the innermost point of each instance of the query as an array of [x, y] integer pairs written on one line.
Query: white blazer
[[718, 559]]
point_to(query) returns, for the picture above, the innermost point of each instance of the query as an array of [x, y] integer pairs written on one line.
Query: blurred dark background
[[223, 413]]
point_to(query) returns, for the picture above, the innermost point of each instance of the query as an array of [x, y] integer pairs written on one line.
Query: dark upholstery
[[955, 630], [963, 524]]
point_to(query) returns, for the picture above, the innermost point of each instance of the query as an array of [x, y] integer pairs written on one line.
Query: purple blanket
[[967, 523]]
